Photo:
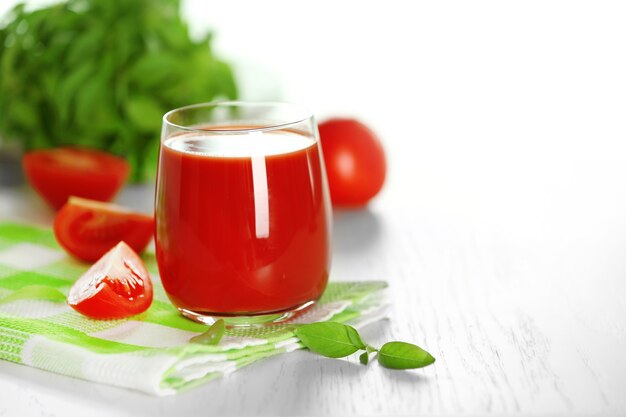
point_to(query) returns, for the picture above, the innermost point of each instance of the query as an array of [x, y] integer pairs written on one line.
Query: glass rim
[[306, 115]]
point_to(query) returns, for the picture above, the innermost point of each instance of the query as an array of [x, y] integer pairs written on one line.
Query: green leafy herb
[[364, 358], [402, 355], [330, 339], [336, 340], [212, 336], [100, 74]]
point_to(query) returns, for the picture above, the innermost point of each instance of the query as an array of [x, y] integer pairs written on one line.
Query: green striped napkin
[[149, 352]]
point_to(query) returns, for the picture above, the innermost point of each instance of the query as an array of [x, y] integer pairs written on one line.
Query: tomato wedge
[[56, 174], [87, 229], [115, 287]]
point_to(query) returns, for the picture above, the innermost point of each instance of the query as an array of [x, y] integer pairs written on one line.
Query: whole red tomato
[[355, 161]]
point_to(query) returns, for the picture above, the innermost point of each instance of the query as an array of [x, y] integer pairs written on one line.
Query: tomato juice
[[242, 221]]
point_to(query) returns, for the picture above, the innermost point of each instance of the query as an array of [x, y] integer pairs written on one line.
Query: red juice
[[242, 222]]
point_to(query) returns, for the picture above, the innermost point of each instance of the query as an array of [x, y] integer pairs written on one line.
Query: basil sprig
[[212, 336], [337, 340], [100, 74]]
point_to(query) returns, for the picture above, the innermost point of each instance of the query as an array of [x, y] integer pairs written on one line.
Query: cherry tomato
[[115, 287], [58, 173], [354, 159], [87, 229]]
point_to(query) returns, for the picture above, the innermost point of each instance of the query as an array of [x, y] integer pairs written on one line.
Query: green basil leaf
[[364, 358], [330, 339], [88, 99], [86, 45], [155, 68], [101, 74], [70, 85], [401, 355], [23, 112], [227, 80], [175, 36], [144, 112], [212, 336]]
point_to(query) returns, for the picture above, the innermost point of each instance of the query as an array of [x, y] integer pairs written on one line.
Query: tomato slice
[[87, 229], [115, 287], [355, 161], [56, 174]]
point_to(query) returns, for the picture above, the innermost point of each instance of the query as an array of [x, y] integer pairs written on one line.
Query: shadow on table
[[355, 230], [405, 377]]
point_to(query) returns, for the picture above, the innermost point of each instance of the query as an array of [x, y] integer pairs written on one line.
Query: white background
[[502, 226], [464, 94], [468, 97]]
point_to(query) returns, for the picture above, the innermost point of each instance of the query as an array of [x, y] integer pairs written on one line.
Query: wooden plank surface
[[501, 229], [521, 319]]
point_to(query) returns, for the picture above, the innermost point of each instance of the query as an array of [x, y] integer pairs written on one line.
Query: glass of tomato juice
[[242, 212]]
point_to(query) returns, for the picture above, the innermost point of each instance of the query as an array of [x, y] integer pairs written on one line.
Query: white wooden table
[[501, 230], [519, 295]]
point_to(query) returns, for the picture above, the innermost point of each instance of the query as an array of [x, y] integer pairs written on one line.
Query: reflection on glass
[[242, 211]]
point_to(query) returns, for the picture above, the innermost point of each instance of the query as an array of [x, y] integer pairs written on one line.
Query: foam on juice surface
[[239, 145]]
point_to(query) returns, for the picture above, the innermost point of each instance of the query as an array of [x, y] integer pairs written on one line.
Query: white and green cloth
[[149, 352]]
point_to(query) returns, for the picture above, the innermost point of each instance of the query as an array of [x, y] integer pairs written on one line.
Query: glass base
[[245, 320]]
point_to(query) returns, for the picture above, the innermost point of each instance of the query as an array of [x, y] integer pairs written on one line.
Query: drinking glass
[[242, 212]]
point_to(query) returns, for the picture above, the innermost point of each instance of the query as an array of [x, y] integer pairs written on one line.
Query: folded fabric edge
[[193, 355], [186, 378]]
